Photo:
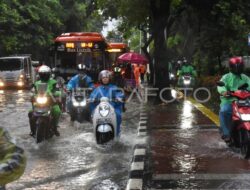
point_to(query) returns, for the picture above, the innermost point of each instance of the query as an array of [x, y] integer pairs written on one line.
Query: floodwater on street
[[73, 160]]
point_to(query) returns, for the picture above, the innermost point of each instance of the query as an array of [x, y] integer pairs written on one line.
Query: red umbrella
[[132, 57]]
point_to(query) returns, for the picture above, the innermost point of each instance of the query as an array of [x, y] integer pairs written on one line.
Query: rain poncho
[[12, 159], [74, 82]]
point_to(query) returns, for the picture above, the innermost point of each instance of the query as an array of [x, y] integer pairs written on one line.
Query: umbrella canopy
[[132, 57]]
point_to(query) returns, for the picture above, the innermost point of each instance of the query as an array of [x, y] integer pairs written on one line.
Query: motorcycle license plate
[[104, 120]]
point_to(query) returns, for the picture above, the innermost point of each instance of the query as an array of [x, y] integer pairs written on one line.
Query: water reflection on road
[[73, 160]]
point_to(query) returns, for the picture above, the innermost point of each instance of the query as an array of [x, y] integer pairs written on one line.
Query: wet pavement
[[186, 152], [73, 160]]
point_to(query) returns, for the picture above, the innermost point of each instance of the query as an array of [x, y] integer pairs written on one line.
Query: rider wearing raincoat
[[81, 79], [44, 75], [186, 69], [12, 160], [233, 80], [110, 91]]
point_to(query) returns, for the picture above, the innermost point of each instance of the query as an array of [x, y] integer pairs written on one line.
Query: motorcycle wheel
[[244, 143], [40, 131]]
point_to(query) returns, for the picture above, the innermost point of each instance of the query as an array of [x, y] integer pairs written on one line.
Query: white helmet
[[44, 72], [104, 73]]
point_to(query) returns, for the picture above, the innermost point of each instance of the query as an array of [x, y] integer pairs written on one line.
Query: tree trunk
[[160, 14]]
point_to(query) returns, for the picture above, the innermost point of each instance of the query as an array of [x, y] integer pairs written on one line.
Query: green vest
[[232, 83], [51, 88]]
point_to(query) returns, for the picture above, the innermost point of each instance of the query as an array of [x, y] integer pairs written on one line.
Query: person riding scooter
[[186, 69], [44, 73], [110, 91], [118, 79], [233, 80], [12, 160], [81, 80]]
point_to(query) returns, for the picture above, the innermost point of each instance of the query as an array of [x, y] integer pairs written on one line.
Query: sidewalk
[[185, 149]]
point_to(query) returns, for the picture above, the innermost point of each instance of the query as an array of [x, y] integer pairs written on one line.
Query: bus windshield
[[10, 64], [92, 60]]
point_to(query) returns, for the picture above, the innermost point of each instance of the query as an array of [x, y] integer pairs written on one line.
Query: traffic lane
[[73, 160]]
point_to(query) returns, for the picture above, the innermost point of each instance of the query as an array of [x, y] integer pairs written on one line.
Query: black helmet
[[81, 68], [236, 65], [44, 73]]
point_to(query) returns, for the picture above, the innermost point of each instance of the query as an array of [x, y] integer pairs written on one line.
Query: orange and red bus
[[89, 48], [115, 50]]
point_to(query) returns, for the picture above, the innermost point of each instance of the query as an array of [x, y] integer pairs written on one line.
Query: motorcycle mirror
[[220, 83], [243, 87]]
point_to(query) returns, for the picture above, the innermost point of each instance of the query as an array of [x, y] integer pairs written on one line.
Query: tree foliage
[[28, 26]]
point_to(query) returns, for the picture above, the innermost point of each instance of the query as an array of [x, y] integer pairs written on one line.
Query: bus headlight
[[104, 110], [1, 83], [21, 76], [41, 100], [20, 83]]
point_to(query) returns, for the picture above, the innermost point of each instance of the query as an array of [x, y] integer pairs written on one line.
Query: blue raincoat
[[112, 92]]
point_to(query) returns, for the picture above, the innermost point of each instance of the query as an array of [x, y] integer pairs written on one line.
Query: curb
[[136, 172]]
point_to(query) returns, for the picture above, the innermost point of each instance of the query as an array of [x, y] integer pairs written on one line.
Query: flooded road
[[73, 160], [186, 152]]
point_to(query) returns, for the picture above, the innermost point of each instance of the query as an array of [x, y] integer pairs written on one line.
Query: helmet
[[44, 73], [104, 73], [236, 65], [185, 62], [179, 62], [81, 67], [117, 69]]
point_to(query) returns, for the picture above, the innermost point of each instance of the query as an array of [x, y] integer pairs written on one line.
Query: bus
[[115, 50], [71, 49]]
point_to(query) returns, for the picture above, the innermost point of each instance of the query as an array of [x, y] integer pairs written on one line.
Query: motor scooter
[[240, 126], [80, 110], [105, 122]]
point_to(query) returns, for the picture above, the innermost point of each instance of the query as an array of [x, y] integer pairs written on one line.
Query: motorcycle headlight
[[245, 117], [1, 83], [75, 103], [21, 76], [41, 100], [83, 103], [104, 110], [186, 82]]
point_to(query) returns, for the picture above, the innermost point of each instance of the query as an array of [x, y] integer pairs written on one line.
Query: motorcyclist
[[186, 69], [112, 92], [44, 73], [80, 80], [12, 160], [117, 77], [233, 80]]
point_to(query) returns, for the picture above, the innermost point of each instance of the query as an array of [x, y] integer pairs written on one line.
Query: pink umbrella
[[132, 57]]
